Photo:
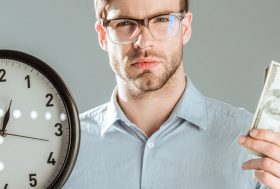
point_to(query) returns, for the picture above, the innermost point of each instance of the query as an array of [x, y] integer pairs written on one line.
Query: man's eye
[[125, 23], [162, 19]]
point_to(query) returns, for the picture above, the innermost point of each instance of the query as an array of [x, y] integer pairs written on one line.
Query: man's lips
[[146, 63]]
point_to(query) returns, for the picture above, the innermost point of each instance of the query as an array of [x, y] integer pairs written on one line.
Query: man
[[158, 131]]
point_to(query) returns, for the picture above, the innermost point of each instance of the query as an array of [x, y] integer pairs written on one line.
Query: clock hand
[[6, 118], [26, 137]]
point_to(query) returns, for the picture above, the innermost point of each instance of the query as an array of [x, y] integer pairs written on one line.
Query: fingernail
[[241, 140], [254, 133]]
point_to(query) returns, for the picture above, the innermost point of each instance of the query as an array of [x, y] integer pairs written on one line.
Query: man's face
[[147, 64]]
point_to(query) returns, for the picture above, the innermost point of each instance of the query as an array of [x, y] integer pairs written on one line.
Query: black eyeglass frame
[[141, 22]]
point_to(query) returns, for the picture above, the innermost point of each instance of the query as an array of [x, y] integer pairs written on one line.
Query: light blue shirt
[[196, 148]]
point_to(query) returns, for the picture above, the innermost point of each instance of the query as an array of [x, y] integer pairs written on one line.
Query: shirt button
[[151, 144]]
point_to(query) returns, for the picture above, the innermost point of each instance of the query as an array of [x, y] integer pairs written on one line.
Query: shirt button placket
[[146, 174]]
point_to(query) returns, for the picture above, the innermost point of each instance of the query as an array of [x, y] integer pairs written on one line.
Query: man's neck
[[151, 110]]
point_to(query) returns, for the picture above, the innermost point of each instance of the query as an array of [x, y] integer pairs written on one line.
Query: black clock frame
[[69, 103]]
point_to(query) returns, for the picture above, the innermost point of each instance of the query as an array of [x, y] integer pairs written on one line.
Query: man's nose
[[144, 39]]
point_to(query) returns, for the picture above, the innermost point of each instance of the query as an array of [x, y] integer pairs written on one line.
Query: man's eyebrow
[[120, 16], [162, 12]]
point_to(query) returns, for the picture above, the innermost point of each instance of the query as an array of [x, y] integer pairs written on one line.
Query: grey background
[[232, 44]]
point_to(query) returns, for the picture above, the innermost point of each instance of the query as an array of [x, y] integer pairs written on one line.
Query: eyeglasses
[[125, 31]]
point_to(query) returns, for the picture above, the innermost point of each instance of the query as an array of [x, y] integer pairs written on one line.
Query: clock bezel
[[70, 106]]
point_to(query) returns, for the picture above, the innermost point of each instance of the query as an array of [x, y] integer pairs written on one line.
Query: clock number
[[28, 81], [50, 96], [32, 179], [51, 160], [3, 73], [60, 132], [6, 186]]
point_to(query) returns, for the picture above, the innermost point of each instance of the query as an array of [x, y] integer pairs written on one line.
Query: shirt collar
[[190, 107], [112, 114]]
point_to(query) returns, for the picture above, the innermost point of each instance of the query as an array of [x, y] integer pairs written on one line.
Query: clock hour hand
[[6, 118]]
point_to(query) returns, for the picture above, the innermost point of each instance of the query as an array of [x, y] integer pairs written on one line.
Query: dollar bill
[[267, 115]]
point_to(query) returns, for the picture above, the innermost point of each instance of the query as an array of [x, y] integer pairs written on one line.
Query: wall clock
[[39, 127]]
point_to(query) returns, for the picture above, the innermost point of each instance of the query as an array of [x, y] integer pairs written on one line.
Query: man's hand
[[266, 142]]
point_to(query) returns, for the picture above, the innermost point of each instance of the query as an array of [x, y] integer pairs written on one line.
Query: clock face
[[35, 128]]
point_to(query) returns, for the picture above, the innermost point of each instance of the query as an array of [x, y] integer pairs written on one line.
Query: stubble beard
[[147, 82]]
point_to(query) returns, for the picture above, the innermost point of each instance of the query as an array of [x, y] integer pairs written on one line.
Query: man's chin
[[149, 84]]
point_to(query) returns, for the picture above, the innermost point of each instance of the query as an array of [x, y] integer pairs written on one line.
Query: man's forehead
[[141, 8]]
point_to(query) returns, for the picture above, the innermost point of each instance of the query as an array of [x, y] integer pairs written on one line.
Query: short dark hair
[[185, 5], [101, 7]]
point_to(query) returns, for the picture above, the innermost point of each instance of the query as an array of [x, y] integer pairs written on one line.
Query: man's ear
[[102, 36], [187, 27]]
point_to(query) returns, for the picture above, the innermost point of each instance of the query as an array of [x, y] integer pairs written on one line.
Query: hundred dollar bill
[[267, 115]]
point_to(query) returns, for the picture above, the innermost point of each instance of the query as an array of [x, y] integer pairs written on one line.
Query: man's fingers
[[266, 135], [268, 149], [267, 179], [265, 164]]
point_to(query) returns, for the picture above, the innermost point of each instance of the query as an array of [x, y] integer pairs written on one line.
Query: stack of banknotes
[[267, 115]]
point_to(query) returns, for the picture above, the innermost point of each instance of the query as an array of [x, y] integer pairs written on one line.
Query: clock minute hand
[[35, 138], [6, 118]]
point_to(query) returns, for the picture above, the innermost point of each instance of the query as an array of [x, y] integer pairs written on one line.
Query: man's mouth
[[145, 63]]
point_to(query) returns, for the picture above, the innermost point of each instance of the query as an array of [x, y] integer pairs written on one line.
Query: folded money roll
[[267, 115]]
